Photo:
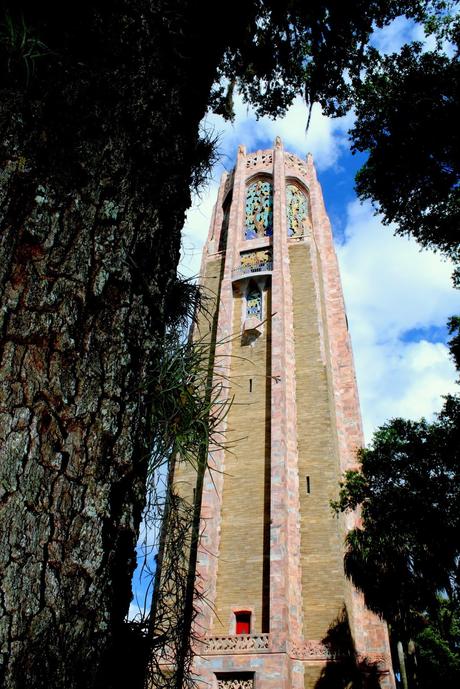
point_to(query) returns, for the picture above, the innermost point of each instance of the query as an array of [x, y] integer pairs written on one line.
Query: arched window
[[259, 210], [253, 301], [298, 216]]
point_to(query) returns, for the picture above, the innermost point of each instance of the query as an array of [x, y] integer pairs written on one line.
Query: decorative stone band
[[235, 643], [380, 661], [235, 682], [309, 650], [315, 650]]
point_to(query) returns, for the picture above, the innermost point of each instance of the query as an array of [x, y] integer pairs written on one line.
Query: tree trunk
[[98, 153], [402, 665]]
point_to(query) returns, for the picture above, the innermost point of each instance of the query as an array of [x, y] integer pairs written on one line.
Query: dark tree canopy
[[409, 489], [407, 114], [293, 47]]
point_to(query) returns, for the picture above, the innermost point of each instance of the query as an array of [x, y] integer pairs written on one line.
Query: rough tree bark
[[100, 140]]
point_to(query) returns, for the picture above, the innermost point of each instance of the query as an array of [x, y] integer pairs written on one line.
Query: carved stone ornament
[[259, 159], [310, 650], [237, 681], [236, 642], [295, 163]]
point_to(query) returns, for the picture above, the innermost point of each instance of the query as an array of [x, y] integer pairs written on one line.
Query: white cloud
[[392, 37], [392, 288], [325, 139], [195, 230]]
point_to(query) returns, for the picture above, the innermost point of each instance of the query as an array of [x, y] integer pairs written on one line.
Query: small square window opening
[[243, 622]]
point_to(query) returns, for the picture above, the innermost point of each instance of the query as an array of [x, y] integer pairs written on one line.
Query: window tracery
[[259, 210], [297, 209], [237, 680]]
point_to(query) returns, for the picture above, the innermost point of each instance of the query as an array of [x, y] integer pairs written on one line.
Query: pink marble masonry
[[281, 657]]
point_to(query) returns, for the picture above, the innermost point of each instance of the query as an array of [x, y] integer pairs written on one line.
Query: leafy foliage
[[438, 648], [407, 114], [188, 407], [287, 48], [408, 547]]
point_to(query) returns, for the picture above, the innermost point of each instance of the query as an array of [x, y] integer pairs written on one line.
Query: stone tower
[[280, 613]]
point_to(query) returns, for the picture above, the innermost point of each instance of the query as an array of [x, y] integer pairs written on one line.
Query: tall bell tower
[[279, 612]]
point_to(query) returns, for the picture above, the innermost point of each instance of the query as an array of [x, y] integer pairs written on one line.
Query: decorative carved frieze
[[231, 644], [237, 681], [310, 650], [315, 650], [381, 661], [259, 159], [295, 163], [258, 261]]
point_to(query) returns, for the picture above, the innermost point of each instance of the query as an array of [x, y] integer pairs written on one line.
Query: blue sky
[[397, 297]]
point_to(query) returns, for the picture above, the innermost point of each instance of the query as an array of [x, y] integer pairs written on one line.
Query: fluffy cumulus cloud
[[398, 301], [325, 139], [392, 37]]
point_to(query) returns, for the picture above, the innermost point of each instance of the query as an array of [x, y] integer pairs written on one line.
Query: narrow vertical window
[[298, 217], [308, 484], [253, 301], [243, 622], [259, 210], [224, 227]]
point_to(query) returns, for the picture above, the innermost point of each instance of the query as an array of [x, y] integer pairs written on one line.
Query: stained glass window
[[253, 302], [298, 220], [259, 210]]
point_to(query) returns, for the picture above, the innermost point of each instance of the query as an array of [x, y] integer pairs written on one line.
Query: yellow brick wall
[[321, 544], [243, 554]]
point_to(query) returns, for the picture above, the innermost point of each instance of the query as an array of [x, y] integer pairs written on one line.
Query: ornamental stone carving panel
[[295, 163], [235, 682], [259, 159], [310, 650], [240, 642], [256, 261]]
